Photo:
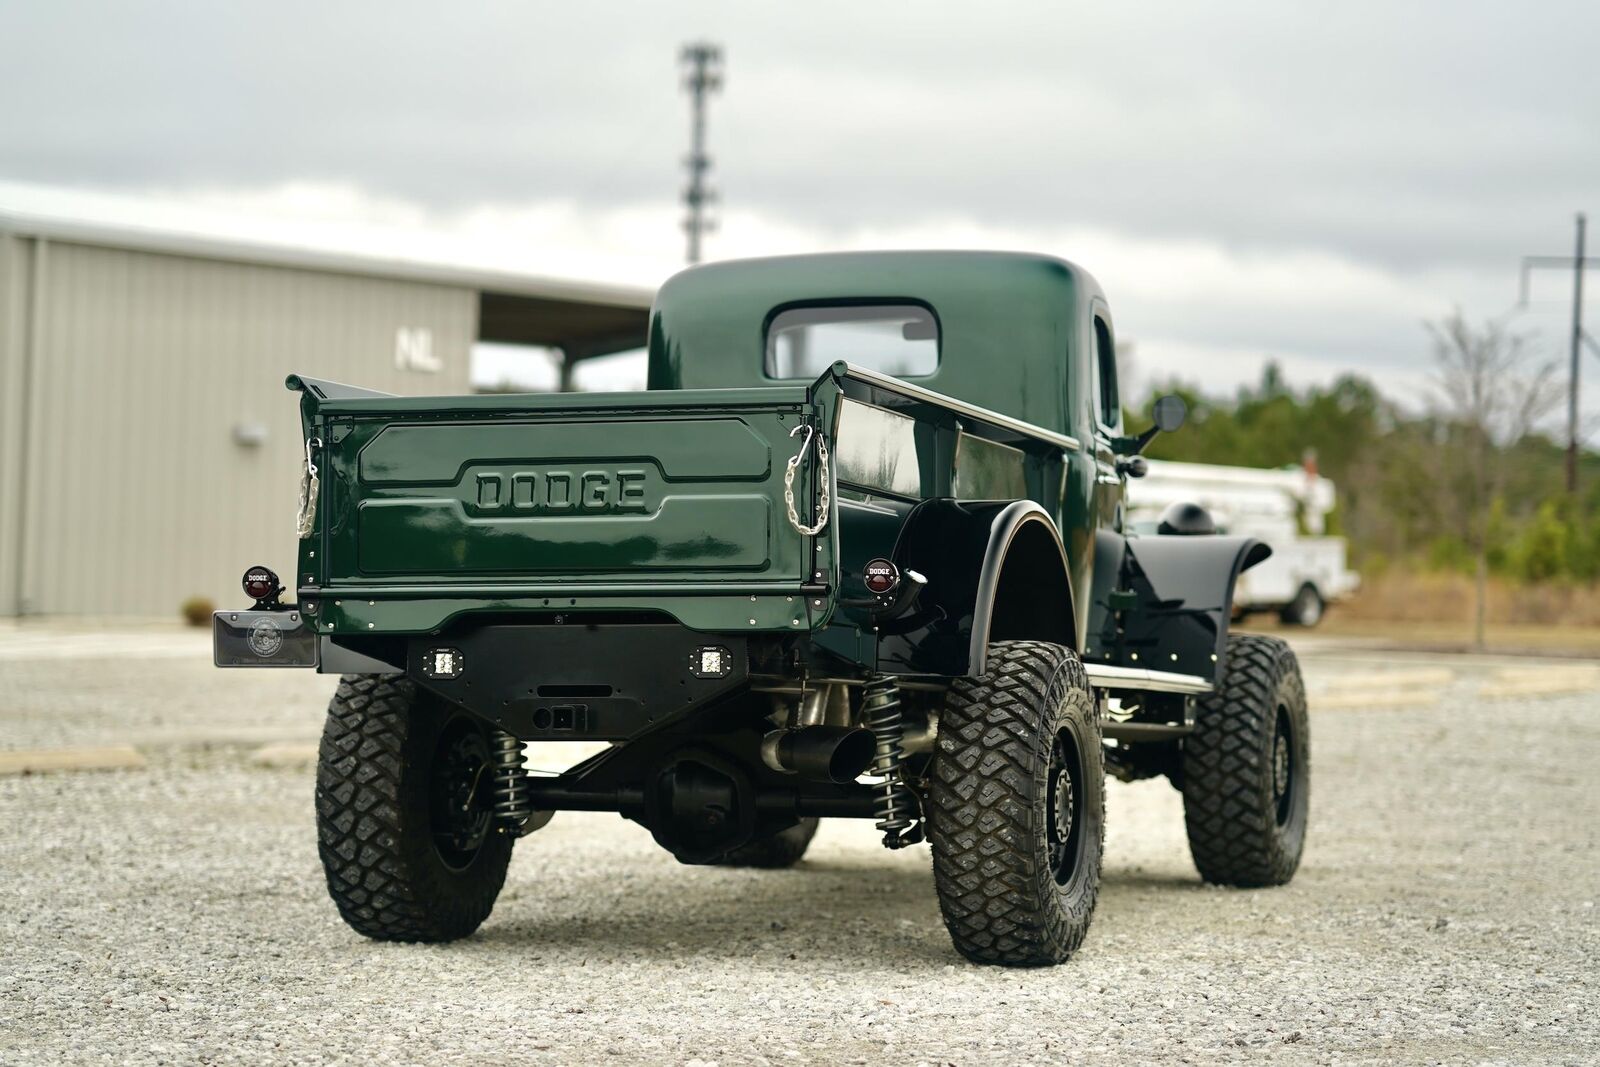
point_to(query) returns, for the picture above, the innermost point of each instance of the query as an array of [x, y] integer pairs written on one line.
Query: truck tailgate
[[518, 496], [569, 496]]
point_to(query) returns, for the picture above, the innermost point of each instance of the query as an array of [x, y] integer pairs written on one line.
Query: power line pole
[[1577, 349], [704, 77], [1577, 263]]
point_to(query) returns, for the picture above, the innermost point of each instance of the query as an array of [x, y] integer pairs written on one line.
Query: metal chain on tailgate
[[822, 474], [309, 484]]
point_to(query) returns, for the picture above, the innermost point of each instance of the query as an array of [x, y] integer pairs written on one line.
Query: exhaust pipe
[[821, 753]]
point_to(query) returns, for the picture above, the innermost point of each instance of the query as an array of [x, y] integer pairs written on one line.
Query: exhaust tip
[[851, 755], [838, 754]]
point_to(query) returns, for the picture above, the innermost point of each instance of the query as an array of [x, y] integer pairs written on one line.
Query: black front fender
[[1163, 603]]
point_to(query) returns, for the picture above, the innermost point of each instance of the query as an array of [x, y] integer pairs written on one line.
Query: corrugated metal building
[[148, 448]]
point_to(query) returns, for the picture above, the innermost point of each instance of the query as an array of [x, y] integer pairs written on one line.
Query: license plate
[[262, 639]]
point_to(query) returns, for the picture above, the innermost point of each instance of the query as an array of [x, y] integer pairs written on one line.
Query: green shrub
[[1543, 548], [196, 611], [1448, 552]]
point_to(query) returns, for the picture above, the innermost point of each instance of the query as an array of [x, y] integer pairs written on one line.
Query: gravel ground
[[1445, 912]]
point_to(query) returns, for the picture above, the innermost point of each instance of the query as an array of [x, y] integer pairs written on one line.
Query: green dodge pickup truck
[[857, 552]]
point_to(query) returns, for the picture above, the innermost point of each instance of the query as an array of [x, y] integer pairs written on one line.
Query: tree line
[[1471, 479]]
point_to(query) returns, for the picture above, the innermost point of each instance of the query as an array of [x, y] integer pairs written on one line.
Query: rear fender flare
[[996, 570], [1024, 585]]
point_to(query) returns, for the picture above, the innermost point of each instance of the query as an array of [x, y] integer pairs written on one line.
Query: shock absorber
[[896, 807], [513, 805]]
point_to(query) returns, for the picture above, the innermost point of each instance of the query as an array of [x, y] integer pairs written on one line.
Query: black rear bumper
[[580, 681]]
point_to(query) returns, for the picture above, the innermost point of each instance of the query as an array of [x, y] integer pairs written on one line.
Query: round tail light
[[260, 583]]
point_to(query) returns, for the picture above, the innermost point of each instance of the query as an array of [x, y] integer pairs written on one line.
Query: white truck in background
[[1306, 571]]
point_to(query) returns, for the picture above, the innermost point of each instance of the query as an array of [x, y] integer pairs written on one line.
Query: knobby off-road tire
[[1246, 768], [404, 825], [1016, 841], [783, 849]]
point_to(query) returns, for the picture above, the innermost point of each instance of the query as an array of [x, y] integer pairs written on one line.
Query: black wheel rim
[[461, 793], [1283, 754], [1064, 807]]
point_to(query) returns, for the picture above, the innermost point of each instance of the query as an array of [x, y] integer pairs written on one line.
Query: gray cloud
[[1431, 142], [1408, 134]]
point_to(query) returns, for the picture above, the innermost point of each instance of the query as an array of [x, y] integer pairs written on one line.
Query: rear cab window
[[897, 339]]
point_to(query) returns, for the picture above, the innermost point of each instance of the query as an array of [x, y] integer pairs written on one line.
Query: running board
[[1144, 731], [1103, 676]]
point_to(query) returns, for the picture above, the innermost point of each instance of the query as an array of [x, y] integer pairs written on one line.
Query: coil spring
[[513, 804], [896, 806]]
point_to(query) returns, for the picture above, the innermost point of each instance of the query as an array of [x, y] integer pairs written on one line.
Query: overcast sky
[[1302, 181]]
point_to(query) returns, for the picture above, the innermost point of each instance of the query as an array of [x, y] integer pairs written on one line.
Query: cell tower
[[703, 61]]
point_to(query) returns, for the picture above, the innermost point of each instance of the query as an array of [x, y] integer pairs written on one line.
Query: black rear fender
[[996, 571]]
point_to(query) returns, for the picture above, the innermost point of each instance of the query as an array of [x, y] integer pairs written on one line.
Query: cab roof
[[1009, 322]]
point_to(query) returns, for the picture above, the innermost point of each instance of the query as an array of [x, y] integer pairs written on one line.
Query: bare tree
[[1492, 394]]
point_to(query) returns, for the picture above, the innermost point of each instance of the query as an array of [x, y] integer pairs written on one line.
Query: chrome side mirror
[[1168, 413]]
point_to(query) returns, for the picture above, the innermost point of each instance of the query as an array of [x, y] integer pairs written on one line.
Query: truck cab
[[859, 551]]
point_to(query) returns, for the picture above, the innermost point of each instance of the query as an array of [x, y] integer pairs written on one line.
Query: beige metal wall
[[139, 367], [15, 263]]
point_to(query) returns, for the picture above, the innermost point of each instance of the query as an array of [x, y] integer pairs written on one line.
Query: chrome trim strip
[[928, 396], [1105, 676]]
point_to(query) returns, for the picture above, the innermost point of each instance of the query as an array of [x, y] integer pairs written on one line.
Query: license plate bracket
[[262, 639]]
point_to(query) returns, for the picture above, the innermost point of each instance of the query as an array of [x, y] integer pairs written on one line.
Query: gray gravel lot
[[1445, 912]]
